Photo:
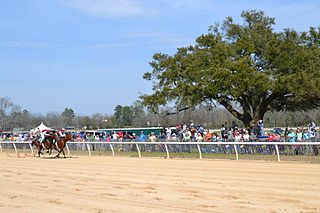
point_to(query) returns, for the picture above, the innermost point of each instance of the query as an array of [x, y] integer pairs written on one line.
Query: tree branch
[[229, 107], [176, 112]]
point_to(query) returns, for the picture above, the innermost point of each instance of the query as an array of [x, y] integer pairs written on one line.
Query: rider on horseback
[[44, 133], [61, 133]]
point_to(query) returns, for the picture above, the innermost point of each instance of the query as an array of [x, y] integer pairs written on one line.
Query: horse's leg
[[55, 147], [50, 150], [37, 148], [59, 151], [64, 155], [52, 145], [49, 147], [39, 151]]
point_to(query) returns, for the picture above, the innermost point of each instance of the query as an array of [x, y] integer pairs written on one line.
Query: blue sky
[[90, 55]]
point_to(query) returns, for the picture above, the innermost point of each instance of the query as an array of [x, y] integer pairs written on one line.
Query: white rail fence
[[167, 147]]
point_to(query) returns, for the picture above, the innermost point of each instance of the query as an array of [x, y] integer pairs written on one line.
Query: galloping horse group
[[52, 142]]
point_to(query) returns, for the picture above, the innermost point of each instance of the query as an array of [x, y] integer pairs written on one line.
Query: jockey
[[44, 133], [34, 133], [61, 133]]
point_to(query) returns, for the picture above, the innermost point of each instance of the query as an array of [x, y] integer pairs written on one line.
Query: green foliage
[[125, 115], [5, 106], [249, 69], [68, 115]]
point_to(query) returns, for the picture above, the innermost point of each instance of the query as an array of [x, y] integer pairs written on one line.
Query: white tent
[[40, 128]]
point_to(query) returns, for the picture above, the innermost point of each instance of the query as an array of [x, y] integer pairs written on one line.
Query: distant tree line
[[13, 116]]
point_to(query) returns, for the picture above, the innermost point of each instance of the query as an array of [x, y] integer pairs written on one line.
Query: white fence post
[[200, 154], [31, 148], [138, 150], [112, 150], [167, 150], [15, 148], [88, 147], [236, 150], [277, 150], [68, 149]]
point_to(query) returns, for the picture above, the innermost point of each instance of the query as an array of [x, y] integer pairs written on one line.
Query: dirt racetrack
[[106, 184]]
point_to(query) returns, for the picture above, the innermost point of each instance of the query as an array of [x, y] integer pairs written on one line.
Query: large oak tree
[[247, 68]]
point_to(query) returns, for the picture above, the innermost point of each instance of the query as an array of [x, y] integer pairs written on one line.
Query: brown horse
[[61, 144], [48, 144]]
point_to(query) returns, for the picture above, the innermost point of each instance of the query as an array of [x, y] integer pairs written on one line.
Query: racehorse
[[48, 144], [61, 144]]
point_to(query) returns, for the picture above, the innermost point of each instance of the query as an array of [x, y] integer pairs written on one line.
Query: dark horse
[[48, 143], [52, 142], [61, 144]]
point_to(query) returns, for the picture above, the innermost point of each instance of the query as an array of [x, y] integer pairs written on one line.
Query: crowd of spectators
[[14, 137], [190, 132]]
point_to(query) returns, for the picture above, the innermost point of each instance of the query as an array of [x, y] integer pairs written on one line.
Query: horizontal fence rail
[[236, 148]]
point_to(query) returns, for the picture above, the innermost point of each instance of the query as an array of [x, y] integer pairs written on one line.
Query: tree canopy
[[68, 115], [125, 115], [247, 68]]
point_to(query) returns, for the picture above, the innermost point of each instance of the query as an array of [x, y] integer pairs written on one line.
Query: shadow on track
[[53, 157]]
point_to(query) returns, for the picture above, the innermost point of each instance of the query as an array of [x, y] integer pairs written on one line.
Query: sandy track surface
[[105, 184]]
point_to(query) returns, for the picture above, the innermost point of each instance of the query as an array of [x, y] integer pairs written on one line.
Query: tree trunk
[[251, 121], [246, 120]]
